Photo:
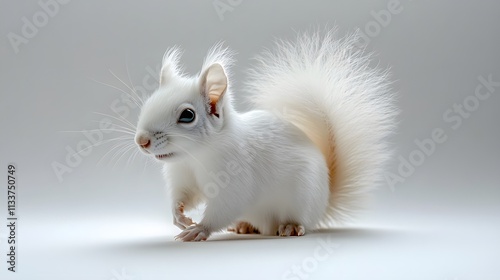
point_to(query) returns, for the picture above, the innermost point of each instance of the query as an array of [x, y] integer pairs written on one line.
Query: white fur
[[318, 110], [325, 86]]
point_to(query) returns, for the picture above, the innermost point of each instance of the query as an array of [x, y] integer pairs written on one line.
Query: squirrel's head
[[184, 113]]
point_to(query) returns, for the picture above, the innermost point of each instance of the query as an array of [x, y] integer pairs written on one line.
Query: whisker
[[131, 89], [119, 126], [123, 153], [117, 88], [146, 164], [101, 143], [151, 162], [122, 119], [102, 129], [119, 152], [112, 73], [131, 83], [131, 157], [116, 146], [109, 85]]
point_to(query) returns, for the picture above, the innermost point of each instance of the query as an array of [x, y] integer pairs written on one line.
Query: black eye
[[187, 116]]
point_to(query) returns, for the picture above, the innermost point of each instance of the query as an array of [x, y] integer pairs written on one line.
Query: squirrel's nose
[[143, 141]]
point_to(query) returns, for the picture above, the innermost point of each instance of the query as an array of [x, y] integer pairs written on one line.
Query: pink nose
[[143, 141]]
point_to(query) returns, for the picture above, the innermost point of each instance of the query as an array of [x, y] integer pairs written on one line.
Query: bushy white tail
[[325, 86]]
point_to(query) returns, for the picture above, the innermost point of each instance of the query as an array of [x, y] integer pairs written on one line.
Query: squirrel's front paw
[[194, 233], [180, 220]]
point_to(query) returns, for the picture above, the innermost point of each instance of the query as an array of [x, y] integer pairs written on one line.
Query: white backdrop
[[436, 217]]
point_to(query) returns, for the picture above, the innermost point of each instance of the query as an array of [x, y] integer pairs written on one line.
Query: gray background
[[102, 221]]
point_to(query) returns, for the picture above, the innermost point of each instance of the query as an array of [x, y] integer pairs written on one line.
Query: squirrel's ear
[[170, 68], [214, 85]]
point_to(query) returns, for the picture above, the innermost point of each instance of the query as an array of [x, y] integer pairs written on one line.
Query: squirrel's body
[[303, 157], [238, 175]]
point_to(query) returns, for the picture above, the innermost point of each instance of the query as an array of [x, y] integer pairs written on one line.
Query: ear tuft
[[170, 65], [214, 85]]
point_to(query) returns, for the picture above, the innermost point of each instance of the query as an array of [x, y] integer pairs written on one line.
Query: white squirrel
[[305, 155]]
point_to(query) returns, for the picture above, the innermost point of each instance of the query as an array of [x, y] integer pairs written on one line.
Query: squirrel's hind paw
[[291, 230], [244, 228]]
